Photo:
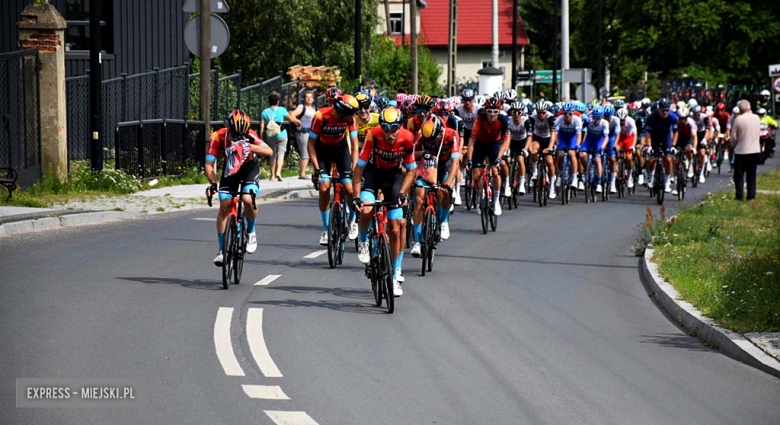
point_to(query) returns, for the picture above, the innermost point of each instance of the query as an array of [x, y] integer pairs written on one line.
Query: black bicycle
[[380, 268], [235, 240]]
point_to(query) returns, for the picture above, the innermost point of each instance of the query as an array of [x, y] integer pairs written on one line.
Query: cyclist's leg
[[419, 195], [343, 162], [250, 182], [534, 150], [367, 197], [324, 157], [391, 185], [477, 158]]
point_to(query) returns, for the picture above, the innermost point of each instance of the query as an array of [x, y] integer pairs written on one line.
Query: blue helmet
[[554, 109], [664, 103], [581, 107], [609, 110], [569, 107], [597, 112]]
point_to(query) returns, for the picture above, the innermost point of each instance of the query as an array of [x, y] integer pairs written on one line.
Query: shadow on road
[[191, 284], [675, 341], [517, 260], [367, 307]]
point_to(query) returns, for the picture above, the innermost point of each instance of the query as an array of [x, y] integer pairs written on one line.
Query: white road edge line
[[265, 392], [223, 345], [290, 418], [254, 335], [316, 254], [204, 219], [268, 279]]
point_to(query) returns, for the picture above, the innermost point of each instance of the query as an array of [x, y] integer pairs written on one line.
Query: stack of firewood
[[321, 77]]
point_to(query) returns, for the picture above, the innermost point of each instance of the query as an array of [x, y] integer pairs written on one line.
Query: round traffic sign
[[776, 84], [220, 36]]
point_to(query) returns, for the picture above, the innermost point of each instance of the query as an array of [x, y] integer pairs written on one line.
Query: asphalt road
[[544, 322]]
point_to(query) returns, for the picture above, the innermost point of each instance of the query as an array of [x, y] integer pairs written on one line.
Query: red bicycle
[[380, 269], [235, 239], [337, 224]]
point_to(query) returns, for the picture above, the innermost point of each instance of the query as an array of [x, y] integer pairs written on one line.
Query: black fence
[[159, 147], [77, 98], [705, 95], [20, 119]]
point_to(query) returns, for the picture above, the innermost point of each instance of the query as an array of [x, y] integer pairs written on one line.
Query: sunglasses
[[365, 108], [665, 111], [517, 112], [492, 111], [390, 127], [568, 114]]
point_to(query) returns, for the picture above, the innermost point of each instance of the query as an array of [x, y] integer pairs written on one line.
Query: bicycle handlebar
[[234, 194]]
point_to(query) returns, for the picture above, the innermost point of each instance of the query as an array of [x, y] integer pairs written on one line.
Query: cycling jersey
[[414, 124], [485, 132], [236, 152], [518, 131], [450, 145], [453, 122], [687, 127], [363, 127], [468, 117], [723, 118], [330, 130], [769, 121], [378, 153], [541, 128], [567, 132], [627, 135], [594, 137], [703, 123], [661, 129], [628, 127]]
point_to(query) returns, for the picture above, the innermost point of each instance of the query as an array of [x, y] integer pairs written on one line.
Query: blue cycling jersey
[[660, 128]]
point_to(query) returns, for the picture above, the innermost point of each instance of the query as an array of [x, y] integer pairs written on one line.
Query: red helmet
[[493, 103], [333, 93], [720, 106]]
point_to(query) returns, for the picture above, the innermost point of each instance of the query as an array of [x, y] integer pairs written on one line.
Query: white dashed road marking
[[265, 392], [254, 335], [268, 279], [223, 345], [316, 254], [290, 418]]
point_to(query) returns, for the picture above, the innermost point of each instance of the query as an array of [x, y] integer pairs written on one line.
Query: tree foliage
[[718, 40]]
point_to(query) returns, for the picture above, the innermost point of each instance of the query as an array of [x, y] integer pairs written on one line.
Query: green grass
[[723, 256], [769, 181]]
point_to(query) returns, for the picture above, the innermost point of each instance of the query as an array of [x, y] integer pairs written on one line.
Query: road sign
[[217, 6], [524, 75], [777, 98], [776, 84], [774, 70], [588, 95], [220, 36]]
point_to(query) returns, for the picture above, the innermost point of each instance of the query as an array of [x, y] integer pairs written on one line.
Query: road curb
[[46, 223], [690, 318]]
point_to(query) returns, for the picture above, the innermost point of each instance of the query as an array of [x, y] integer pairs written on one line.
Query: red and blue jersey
[[330, 129], [485, 132], [380, 153]]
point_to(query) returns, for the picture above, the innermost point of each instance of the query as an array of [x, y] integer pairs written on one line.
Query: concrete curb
[[63, 221], [729, 343]]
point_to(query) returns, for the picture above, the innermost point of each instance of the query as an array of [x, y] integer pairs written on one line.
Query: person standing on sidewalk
[[278, 142], [305, 112], [745, 141]]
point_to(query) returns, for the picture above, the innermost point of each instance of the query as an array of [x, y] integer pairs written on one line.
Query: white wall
[[396, 7], [469, 62]]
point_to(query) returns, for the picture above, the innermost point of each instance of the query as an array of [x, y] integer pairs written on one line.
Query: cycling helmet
[[381, 102], [597, 112], [516, 106], [541, 106], [390, 119], [445, 106], [710, 113], [432, 128], [683, 112], [569, 107], [238, 122], [467, 94], [333, 93], [480, 101], [765, 93], [554, 109], [761, 112], [609, 110], [406, 107], [346, 105], [363, 100], [633, 113], [664, 103], [692, 102], [646, 103], [581, 108], [400, 97], [531, 108], [423, 103], [510, 94], [720, 106], [680, 104], [622, 113], [696, 109], [619, 103], [735, 110], [493, 103], [500, 95], [455, 101]]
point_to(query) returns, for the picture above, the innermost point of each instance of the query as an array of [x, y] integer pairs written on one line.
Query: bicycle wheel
[[344, 221], [409, 229], [586, 181], [493, 221], [386, 273], [238, 267], [540, 183], [484, 207], [467, 189], [564, 191], [427, 241], [659, 183], [372, 269], [696, 171], [227, 253], [334, 235]]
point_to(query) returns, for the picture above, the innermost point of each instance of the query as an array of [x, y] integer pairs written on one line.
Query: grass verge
[[723, 256], [769, 181]]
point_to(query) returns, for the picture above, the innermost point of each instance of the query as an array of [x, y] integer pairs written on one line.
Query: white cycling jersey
[[614, 125], [468, 117], [541, 128], [518, 131], [629, 127]]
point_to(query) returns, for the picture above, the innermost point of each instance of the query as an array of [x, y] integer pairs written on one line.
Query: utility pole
[[514, 43], [95, 82], [555, 55], [494, 53], [565, 47], [598, 76], [452, 48], [403, 22], [205, 67], [413, 40], [357, 39]]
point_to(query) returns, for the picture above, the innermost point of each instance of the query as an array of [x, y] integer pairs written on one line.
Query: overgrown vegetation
[[723, 256]]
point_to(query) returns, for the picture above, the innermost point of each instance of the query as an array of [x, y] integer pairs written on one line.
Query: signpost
[[774, 73]]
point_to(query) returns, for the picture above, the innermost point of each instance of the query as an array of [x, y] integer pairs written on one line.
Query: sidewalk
[[91, 210]]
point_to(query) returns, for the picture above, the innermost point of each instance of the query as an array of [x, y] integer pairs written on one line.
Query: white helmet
[[622, 113], [761, 112], [765, 93], [680, 104], [683, 112], [692, 102], [480, 100], [735, 110], [511, 94]]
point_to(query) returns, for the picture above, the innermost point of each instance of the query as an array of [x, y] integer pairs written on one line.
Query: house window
[[396, 23], [487, 64], [76, 14]]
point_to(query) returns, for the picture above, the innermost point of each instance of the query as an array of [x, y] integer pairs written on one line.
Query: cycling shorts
[[516, 146], [485, 150], [542, 141], [664, 144], [682, 142], [567, 142], [611, 145], [442, 172], [592, 144], [327, 155], [466, 136], [702, 140], [388, 181], [626, 141], [247, 176]]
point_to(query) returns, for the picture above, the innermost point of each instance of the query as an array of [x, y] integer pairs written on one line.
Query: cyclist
[[703, 135], [239, 145], [421, 107], [541, 135], [687, 138], [366, 120], [379, 169], [468, 112], [596, 139], [569, 129], [438, 152], [455, 122], [626, 140], [661, 134], [517, 144], [489, 139], [614, 129], [333, 140]]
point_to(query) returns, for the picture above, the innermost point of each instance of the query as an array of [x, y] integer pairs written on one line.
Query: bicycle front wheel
[[386, 272], [427, 241], [334, 235], [238, 267], [485, 206], [227, 253]]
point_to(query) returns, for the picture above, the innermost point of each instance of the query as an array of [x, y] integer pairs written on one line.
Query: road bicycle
[[591, 177], [541, 184], [486, 213], [656, 187], [514, 179], [622, 175], [568, 189], [338, 223], [681, 175], [469, 191], [380, 268], [235, 239], [431, 226]]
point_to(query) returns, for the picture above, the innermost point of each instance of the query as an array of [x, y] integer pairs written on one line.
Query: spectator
[[372, 89], [304, 112], [364, 88], [277, 143], [744, 140]]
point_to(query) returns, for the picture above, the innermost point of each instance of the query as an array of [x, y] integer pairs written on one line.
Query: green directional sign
[[544, 76]]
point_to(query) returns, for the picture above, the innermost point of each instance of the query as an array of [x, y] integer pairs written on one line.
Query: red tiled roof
[[475, 23]]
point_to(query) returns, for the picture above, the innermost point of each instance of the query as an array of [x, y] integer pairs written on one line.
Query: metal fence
[[20, 125], [77, 98], [158, 147]]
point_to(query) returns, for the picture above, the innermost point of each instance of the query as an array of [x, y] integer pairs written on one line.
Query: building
[[475, 36], [137, 36]]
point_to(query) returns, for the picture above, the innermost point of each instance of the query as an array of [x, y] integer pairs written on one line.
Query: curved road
[[544, 322]]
